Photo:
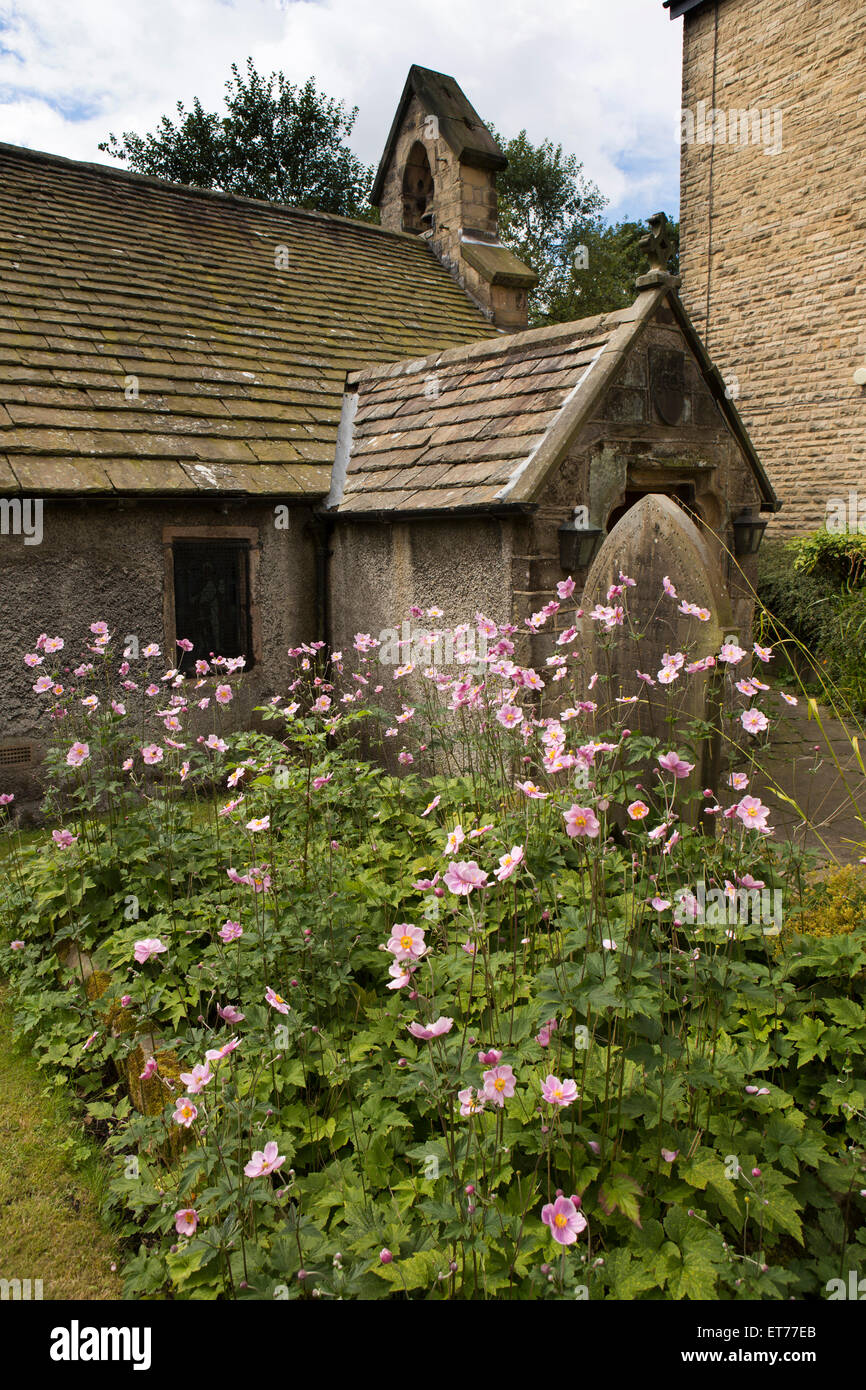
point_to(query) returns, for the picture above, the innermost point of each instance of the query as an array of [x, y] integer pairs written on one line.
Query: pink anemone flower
[[564, 1220]]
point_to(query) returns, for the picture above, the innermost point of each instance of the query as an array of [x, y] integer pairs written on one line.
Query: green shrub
[[835, 905], [814, 587], [421, 1017]]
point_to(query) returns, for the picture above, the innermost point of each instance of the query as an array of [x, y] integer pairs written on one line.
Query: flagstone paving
[[813, 770]]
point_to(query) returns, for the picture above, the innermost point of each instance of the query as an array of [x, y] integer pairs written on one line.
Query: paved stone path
[[803, 763]]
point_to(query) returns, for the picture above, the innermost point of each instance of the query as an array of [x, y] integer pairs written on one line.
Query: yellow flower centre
[[499, 1083], [559, 1221], [405, 942]]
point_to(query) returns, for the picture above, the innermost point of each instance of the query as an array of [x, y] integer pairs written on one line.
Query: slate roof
[[462, 446], [485, 425], [241, 367]]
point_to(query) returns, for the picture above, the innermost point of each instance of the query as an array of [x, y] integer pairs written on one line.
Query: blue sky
[[600, 76]]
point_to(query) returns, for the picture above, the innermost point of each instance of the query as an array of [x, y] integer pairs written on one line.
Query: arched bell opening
[[417, 191]]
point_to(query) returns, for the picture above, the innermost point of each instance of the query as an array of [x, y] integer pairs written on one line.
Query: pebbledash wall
[[773, 232], [507, 565], [106, 560]]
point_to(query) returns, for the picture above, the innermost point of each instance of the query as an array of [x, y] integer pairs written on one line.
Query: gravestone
[[655, 540]]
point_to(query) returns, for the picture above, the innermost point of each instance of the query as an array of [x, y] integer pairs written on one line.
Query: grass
[[51, 1177]]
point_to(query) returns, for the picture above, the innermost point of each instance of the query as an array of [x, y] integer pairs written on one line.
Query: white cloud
[[602, 79]]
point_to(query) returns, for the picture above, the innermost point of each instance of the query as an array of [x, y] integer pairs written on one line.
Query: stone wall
[[378, 569], [772, 244], [105, 560], [625, 449], [508, 565]]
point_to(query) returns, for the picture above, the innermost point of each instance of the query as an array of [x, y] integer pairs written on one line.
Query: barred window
[[212, 599]]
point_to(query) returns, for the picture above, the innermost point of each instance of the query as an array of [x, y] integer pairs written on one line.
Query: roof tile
[[235, 361]]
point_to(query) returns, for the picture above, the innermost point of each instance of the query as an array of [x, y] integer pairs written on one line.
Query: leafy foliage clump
[[392, 1027], [836, 905], [550, 215], [275, 141], [813, 586]]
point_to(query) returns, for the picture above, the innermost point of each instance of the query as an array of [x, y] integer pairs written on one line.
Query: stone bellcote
[[437, 180]]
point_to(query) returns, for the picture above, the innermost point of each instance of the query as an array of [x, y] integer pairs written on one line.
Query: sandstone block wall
[[773, 245]]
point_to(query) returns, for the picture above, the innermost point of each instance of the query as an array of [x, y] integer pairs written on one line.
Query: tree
[[550, 217], [278, 142], [599, 269]]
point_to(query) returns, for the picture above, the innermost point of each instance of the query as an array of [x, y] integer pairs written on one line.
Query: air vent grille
[[16, 755]]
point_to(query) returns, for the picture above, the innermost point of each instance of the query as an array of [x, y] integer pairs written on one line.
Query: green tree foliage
[[275, 141], [550, 216]]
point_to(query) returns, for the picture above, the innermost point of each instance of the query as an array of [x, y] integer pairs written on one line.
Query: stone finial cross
[[657, 243]]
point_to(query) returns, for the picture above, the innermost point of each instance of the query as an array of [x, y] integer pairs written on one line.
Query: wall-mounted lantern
[[578, 545], [748, 533]]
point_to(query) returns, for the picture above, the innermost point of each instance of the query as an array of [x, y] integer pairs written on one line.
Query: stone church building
[[773, 234], [252, 426]]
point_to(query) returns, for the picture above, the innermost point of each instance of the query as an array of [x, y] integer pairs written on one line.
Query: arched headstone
[[655, 541]]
